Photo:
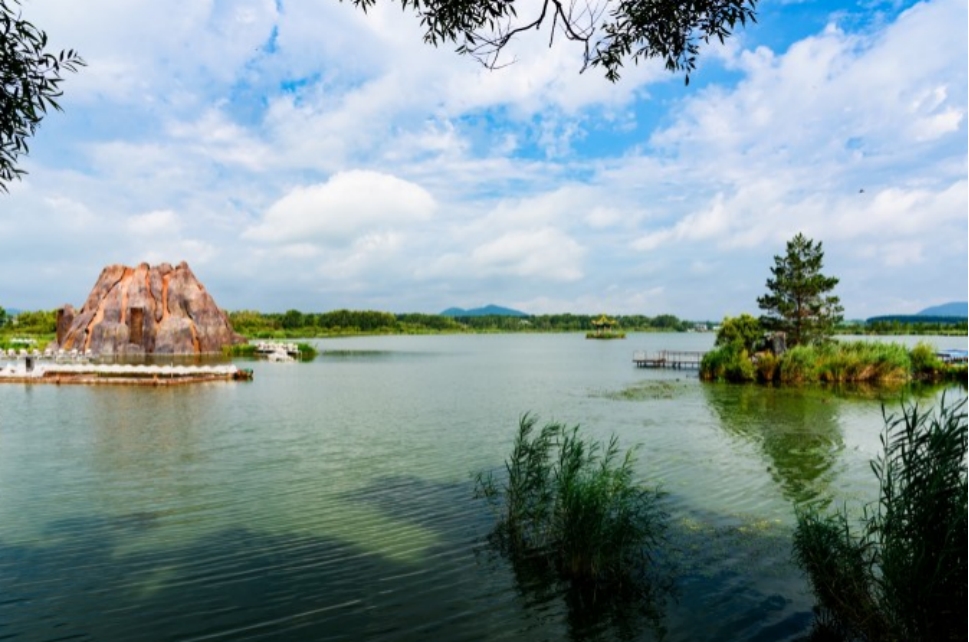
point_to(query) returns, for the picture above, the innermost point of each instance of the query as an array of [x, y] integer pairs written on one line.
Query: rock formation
[[146, 310]]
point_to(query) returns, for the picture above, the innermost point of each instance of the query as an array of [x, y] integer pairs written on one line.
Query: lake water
[[332, 500]]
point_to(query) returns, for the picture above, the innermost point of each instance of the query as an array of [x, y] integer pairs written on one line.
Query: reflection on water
[[798, 431], [631, 611]]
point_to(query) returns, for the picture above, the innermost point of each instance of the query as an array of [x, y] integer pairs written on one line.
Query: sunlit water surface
[[332, 500]]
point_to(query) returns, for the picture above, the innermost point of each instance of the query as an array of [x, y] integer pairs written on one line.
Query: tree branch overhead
[[610, 32]]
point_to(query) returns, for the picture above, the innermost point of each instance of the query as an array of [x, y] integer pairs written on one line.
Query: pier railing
[[668, 359]]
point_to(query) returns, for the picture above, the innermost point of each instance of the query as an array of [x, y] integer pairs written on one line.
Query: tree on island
[[610, 32], [744, 331], [798, 302], [30, 79]]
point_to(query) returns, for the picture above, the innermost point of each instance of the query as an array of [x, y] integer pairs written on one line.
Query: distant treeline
[[916, 324], [31, 323], [293, 323], [918, 318]]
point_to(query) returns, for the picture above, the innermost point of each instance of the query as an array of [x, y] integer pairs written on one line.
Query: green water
[[332, 500]]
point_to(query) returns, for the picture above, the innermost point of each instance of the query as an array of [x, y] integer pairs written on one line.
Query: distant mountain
[[953, 309], [488, 310]]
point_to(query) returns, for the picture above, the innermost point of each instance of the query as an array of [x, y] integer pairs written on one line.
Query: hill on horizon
[[952, 309], [488, 310]]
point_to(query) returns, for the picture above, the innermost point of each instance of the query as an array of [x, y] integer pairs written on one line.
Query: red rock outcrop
[[146, 310]]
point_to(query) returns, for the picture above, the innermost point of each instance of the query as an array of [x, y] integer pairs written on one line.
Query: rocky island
[[146, 310]]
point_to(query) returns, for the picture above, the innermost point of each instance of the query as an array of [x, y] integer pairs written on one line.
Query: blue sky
[[306, 155]]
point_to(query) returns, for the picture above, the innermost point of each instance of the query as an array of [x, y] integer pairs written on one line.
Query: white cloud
[[545, 253], [153, 224], [350, 204]]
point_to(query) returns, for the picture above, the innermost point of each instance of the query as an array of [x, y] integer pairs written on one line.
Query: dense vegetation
[[294, 323], [903, 577], [40, 326], [919, 325], [573, 503], [830, 362], [792, 342]]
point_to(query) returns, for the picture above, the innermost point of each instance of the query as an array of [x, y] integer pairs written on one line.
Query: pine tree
[[798, 302]]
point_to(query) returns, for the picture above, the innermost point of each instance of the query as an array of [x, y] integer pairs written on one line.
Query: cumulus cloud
[[844, 135], [153, 224], [536, 255], [347, 206], [546, 253]]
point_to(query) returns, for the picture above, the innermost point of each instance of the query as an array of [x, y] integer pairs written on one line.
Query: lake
[[332, 500]]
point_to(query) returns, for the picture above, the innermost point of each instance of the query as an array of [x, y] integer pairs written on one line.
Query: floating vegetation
[[357, 352], [701, 546], [645, 391]]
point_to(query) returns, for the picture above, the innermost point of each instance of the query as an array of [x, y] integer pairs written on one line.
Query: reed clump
[[829, 362], [574, 502], [903, 577], [729, 362]]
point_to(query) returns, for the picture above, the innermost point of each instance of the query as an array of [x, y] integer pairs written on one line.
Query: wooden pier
[[668, 359], [119, 374]]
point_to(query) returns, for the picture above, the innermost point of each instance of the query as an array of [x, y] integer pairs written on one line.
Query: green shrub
[[575, 503], [745, 329], [904, 576], [925, 362], [730, 362]]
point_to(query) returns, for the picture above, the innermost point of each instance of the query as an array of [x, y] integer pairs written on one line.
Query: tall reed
[[830, 362], [574, 502], [904, 576]]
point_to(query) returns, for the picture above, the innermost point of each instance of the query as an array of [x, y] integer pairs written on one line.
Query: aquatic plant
[[831, 362], [574, 503], [904, 576]]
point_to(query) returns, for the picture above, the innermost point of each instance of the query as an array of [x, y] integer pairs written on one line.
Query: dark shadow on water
[[231, 584], [735, 579], [127, 578], [632, 611]]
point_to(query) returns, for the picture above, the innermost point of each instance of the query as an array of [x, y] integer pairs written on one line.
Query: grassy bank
[[833, 362]]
